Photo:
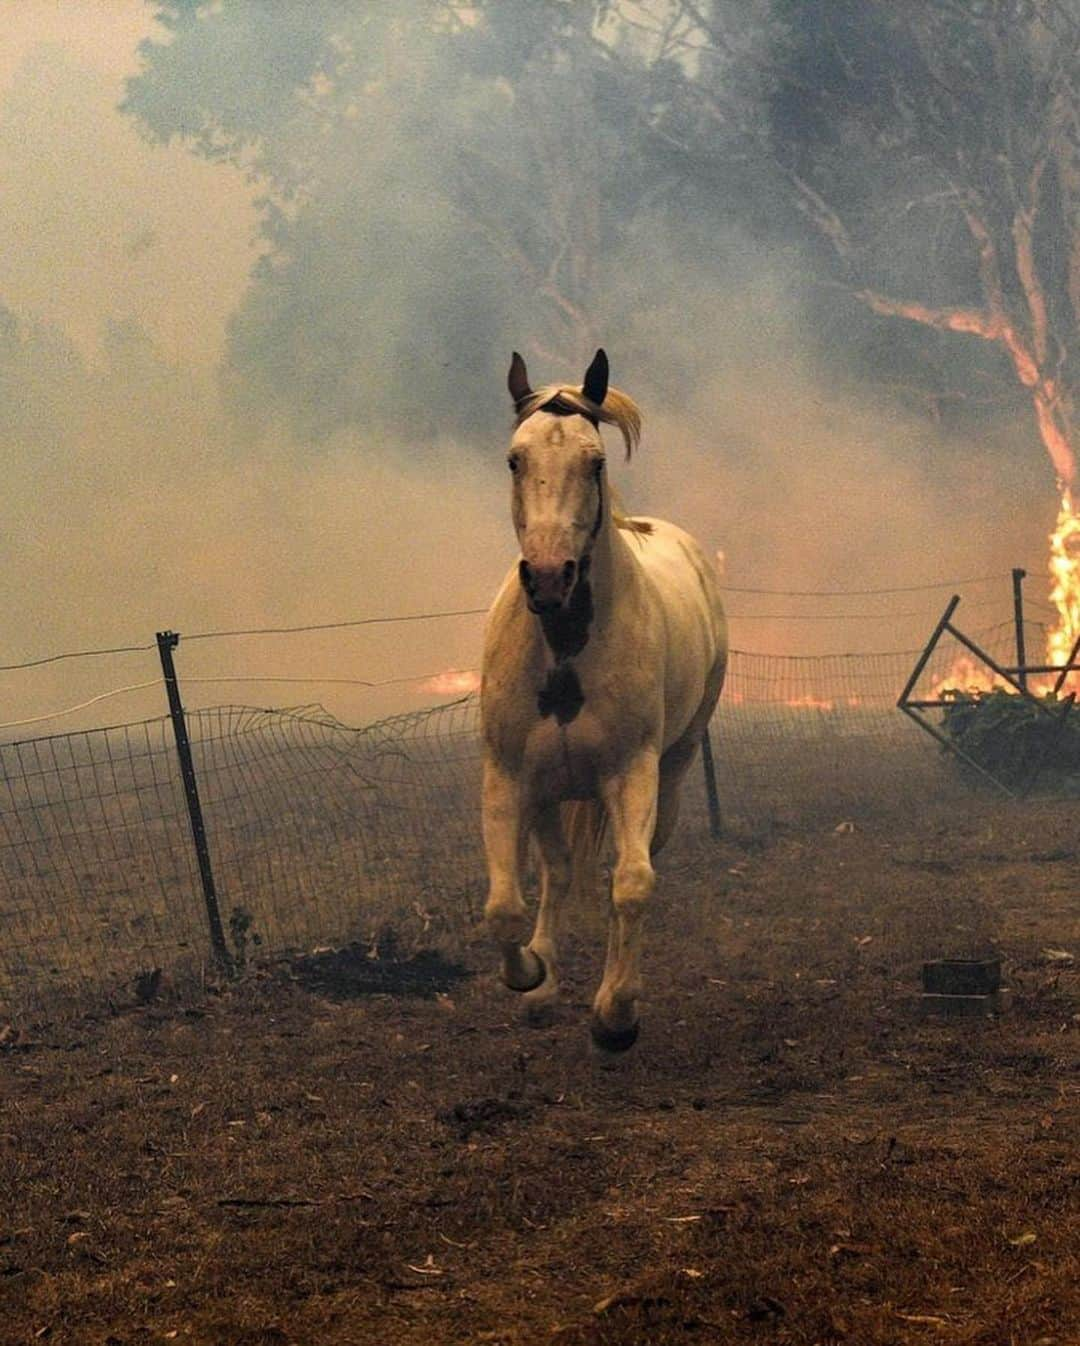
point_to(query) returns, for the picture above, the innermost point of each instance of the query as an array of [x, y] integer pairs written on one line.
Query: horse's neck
[[593, 612], [613, 570]]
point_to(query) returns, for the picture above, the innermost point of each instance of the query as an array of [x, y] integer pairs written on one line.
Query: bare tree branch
[[976, 322], [1023, 232]]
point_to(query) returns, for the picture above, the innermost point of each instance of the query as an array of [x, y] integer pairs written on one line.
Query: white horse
[[604, 657]]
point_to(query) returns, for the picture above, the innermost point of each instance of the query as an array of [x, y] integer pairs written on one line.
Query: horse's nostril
[[526, 574], [568, 572]]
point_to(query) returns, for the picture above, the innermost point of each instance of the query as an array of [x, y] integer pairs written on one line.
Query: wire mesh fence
[[322, 834], [97, 870]]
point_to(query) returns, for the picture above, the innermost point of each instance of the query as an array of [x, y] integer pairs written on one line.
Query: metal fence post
[[166, 643], [711, 793], [1018, 576]]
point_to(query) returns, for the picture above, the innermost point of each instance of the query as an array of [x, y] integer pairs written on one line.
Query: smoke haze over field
[[154, 481]]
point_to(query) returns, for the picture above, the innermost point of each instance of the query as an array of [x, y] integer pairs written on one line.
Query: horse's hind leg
[[673, 767], [676, 761], [554, 885]]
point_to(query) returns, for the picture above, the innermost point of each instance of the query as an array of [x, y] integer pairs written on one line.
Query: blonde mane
[[626, 522], [617, 409]]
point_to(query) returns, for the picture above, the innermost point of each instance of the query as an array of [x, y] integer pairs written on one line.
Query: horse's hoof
[[538, 980], [613, 1041], [539, 1004]]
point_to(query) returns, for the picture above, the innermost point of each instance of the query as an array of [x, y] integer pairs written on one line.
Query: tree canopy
[[932, 150], [432, 171], [441, 177]]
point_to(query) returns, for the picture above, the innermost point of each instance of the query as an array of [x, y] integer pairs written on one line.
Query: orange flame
[[966, 677], [810, 702], [1065, 588], [453, 682]]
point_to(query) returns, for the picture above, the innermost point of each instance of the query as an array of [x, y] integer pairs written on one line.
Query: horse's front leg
[[631, 806], [506, 830], [554, 884]]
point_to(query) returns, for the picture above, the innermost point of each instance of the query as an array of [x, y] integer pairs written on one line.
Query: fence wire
[[322, 834]]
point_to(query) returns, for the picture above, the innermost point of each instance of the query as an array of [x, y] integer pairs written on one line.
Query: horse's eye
[[513, 462]]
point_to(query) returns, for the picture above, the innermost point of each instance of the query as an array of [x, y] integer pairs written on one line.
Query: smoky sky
[[228, 404]]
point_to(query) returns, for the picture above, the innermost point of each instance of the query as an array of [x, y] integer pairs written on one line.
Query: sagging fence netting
[[321, 834]]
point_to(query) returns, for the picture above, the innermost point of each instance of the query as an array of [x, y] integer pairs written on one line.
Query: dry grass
[[793, 1156]]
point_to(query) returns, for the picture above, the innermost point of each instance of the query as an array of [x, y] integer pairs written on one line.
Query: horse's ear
[[518, 380], [596, 377]]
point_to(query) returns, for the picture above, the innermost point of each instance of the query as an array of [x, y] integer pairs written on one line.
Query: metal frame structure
[[1016, 677]]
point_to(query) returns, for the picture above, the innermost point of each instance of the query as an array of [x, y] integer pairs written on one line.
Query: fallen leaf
[[625, 1297], [428, 1268]]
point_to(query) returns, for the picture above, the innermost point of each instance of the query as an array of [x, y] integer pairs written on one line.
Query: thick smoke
[[148, 488]]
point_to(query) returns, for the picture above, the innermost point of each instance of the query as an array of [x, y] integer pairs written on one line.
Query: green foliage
[[1013, 738]]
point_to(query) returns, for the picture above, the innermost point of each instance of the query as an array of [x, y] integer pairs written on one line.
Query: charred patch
[[561, 695], [485, 1115], [345, 974]]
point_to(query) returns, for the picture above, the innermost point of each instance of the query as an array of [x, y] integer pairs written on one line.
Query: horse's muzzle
[[547, 587]]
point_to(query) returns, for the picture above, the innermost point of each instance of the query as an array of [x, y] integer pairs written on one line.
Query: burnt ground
[[339, 1153]]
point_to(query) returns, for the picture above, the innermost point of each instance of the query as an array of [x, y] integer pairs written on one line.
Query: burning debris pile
[[1018, 728], [1010, 721], [1012, 739], [969, 679]]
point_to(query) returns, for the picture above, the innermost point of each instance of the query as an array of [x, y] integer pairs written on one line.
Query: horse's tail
[[584, 823]]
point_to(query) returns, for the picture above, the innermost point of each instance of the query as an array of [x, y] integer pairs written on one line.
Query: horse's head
[[557, 460]]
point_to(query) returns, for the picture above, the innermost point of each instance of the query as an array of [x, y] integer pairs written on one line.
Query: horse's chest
[[567, 759], [564, 733]]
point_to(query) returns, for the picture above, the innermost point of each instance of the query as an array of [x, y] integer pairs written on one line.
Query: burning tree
[[933, 149]]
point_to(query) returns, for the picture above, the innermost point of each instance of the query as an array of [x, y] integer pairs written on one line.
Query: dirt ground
[[350, 1151]]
